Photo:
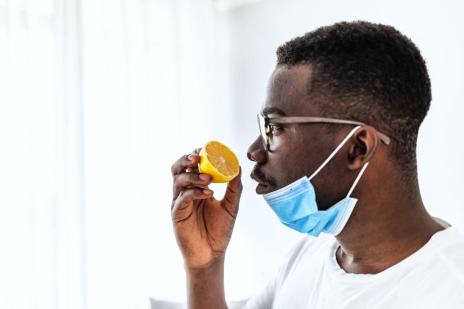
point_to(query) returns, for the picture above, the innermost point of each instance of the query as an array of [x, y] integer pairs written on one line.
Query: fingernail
[[191, 158], [204, 177], [206, 191]]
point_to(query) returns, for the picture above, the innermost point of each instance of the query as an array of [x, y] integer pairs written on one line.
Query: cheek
[[289, 163], [300, 156], [296, 154]]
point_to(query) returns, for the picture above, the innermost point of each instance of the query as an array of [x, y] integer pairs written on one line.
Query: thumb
[[231, 198]]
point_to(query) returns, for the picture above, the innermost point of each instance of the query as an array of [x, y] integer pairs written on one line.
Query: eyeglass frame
[[266, 136]]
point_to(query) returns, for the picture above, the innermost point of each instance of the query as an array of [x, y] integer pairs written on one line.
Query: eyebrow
[[272, 110]]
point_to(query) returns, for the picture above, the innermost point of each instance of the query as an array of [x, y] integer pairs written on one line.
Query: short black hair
[[370, 73]]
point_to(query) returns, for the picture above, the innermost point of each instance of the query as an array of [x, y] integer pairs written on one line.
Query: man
[[336, 160]]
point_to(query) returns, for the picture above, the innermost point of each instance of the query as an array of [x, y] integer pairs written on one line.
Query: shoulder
[[442, 269], [443, 279], [450, 255]]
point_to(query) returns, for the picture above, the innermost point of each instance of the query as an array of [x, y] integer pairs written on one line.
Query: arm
[[205, 286]]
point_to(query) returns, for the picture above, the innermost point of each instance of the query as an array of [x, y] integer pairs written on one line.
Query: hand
[[202, 224]]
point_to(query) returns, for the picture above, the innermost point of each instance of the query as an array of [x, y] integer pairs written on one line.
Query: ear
[[363, 146]]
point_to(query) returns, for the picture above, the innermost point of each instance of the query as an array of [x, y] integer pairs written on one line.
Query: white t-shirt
[[432, 277]]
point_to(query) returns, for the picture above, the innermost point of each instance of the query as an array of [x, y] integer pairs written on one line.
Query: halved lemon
[[218, 161]]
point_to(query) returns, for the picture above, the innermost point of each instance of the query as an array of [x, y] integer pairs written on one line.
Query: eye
[[275, 129]]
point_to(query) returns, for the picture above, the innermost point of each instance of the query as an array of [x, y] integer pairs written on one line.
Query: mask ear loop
[[357, 179], [334, 152]]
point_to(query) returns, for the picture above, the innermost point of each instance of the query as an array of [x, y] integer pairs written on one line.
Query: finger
[[184, 162], [194, 153], [186, 197], [231, 198], [192, 170], [189, 180]]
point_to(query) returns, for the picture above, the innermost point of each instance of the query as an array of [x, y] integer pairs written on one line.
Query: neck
[[385, 228]]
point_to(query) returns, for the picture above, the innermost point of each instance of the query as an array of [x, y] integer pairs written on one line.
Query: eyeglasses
[[266, 123]]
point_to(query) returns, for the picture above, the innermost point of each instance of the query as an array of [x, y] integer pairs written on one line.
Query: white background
[[98, 98]]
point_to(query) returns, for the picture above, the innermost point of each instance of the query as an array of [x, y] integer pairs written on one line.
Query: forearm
[[205, 287]]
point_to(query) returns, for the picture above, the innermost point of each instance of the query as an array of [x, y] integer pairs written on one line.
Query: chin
[[264, 188]]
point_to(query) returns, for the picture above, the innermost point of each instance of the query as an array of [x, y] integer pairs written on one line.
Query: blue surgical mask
[[296, 205]]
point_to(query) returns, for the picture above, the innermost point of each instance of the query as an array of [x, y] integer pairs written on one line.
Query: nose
[[256, 151]]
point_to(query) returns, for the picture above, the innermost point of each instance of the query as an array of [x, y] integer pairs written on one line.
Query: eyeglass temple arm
[[297, 119]]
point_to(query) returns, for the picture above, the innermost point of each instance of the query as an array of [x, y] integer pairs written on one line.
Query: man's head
[[356, 71]]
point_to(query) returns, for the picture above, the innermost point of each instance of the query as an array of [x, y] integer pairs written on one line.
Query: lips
[[258, 176]]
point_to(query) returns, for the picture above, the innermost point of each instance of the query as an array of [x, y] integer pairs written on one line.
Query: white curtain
[[97, 99], [41, 195]]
